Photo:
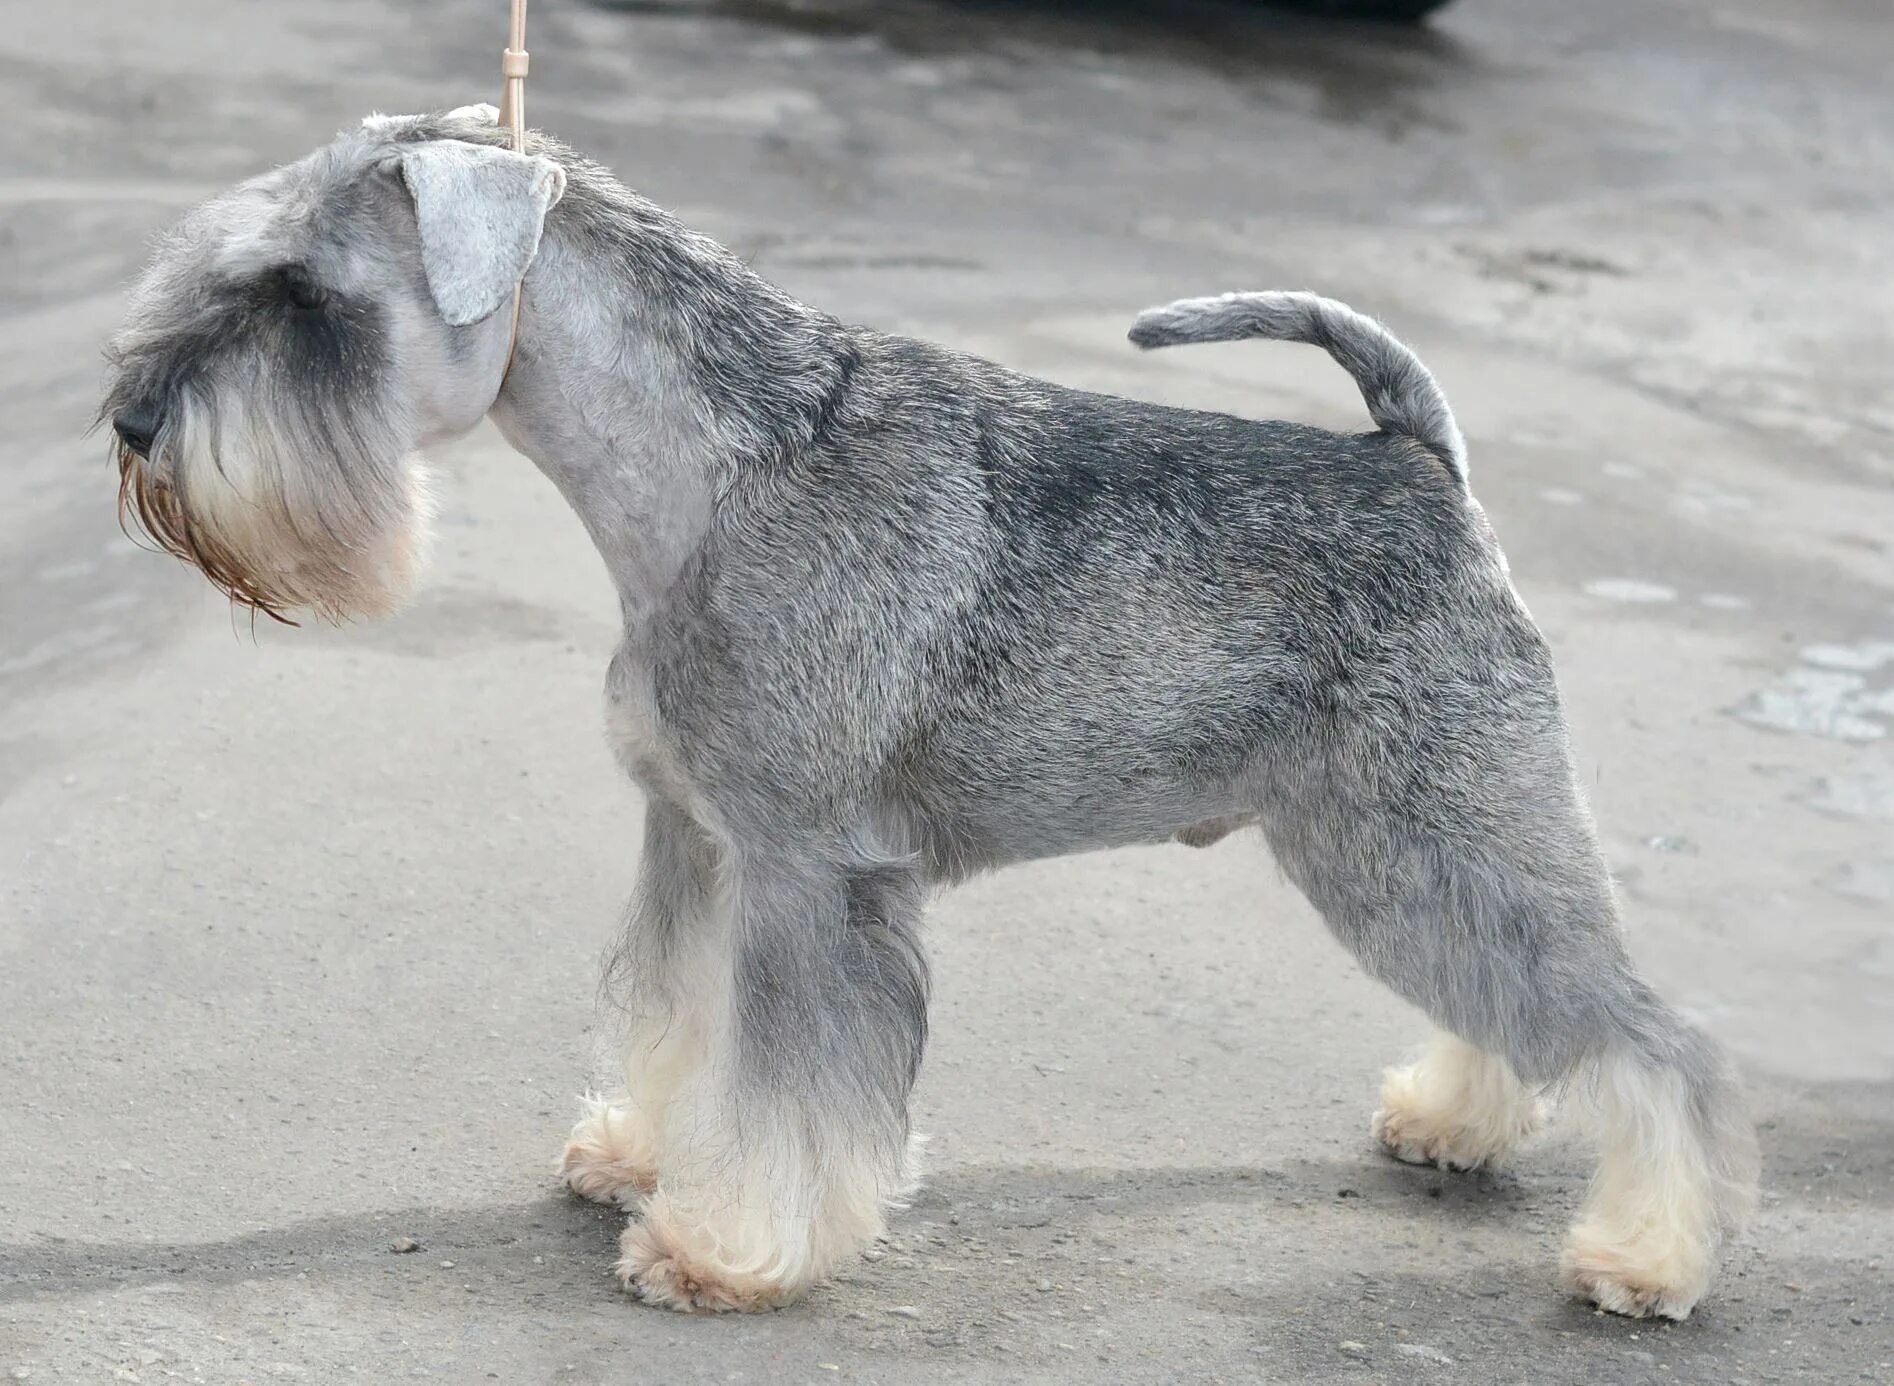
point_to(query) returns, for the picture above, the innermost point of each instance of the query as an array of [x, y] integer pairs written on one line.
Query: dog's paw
[[608, 1156], [1655, 1274], [659, 1273], [485, 112], [1413, 1125]]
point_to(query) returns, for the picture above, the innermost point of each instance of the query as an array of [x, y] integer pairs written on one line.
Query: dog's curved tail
[[1402, 396]]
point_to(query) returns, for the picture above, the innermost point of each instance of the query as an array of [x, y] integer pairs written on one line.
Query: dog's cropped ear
[[480, 210]]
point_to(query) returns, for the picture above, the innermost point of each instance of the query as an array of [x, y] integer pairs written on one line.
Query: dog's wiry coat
[[893, 615]]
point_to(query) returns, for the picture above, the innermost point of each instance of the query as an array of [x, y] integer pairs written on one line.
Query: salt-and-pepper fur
[[893, 615]]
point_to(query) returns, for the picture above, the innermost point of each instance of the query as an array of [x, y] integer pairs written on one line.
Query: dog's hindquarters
[[1429, 811], [1436, 825]]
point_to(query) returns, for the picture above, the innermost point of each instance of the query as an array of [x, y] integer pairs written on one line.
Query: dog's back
[[1092, 620]]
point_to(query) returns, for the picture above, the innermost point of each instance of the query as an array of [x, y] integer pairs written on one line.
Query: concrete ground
[[298, 933]]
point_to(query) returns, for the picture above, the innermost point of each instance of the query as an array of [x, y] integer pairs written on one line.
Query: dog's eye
[[300, 287]]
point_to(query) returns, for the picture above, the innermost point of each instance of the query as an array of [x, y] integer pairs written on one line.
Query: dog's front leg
[[779, 1154], [668, 978]]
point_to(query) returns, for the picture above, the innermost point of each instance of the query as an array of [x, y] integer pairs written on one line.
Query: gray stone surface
[[298, 932]]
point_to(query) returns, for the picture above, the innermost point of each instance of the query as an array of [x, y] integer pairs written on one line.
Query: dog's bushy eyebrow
[[294, 281], [270, 280]]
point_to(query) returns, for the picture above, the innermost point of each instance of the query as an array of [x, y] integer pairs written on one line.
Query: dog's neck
[[653, 369]]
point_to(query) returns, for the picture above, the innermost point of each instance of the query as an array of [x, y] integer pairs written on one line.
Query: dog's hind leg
[[1456, 860], [665, 972], [780, 1154]]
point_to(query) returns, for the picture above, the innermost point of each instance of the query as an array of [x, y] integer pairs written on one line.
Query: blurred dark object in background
[[1388, 11]]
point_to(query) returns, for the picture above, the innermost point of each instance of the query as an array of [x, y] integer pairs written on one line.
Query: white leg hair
[[755, 1201], [780, 1151], [1647, 1238], [714, 1239], [676, 960], [750, 1215], [1456, 1106]]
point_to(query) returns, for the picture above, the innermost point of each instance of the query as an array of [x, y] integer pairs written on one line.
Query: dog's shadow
[[561, 1242], [1024, 1197], [571, 1239], [562, 1236]]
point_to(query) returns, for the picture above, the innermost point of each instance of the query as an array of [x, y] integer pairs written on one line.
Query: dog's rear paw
[[608, 1157], [1471, 1129], [1639, 1278]]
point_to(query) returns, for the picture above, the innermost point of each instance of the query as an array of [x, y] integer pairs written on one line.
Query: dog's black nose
[[136, 427]]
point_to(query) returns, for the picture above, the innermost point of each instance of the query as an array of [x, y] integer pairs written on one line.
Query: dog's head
[[297, 340]]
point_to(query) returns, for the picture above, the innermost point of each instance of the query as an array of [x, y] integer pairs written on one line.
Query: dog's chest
[[636, 730]]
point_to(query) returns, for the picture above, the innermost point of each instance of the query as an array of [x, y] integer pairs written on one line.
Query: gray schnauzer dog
[[894, 615]]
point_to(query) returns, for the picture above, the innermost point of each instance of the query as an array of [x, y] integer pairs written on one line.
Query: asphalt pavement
[[299, 930]]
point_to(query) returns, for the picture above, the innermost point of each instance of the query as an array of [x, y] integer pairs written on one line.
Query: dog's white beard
[[277, 528]]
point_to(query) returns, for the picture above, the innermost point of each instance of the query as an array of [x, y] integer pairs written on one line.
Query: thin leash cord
[[513, 64]]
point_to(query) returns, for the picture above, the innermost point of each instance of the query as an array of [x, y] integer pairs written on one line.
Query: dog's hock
[[480, 211]]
